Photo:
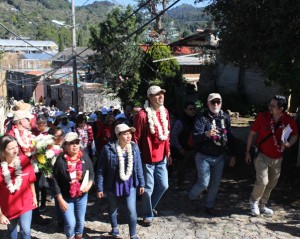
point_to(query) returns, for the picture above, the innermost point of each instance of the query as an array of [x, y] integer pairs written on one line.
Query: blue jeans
[[156, 180], [25, 223], [113, 201], [75, 215], [210, 171]]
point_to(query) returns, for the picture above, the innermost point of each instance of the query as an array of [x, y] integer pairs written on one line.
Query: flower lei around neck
[[163, 131], [125, 175], [279, 148], [25, 141], [75, 171], [7, 177], [219, 139]]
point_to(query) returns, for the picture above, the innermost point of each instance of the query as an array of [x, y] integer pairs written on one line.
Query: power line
[[51, 72], [131, 34], [23, 39]]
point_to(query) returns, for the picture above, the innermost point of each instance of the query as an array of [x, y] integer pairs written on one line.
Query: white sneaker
[[254, 208], [265, 210]]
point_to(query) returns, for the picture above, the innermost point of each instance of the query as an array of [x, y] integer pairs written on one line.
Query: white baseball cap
[[213, 96], [123, 128], [153, 90], [71, 136]]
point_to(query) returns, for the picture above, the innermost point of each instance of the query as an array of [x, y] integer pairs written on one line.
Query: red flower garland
[[72, 167], [279, 147]]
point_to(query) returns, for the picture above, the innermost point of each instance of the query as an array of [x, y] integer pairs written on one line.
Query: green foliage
[[262, 34], [128, 92], [199, 106], [1, 55], [165, 73], [116, 57]]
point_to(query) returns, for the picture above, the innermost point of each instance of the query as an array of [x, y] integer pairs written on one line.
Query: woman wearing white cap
[[119, 174], [73, 176]]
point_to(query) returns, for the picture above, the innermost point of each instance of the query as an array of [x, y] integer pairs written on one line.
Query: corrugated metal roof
[[36, 56], [7, 42], [189, 60]]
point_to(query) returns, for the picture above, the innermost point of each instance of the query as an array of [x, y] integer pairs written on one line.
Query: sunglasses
[[213, 102], [73, 142], [191, 108]]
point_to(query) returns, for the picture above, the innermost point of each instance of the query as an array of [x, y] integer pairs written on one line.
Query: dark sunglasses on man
[[213, 102]]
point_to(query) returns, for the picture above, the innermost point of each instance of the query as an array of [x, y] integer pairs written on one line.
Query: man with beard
[[212, 136], [269, 126], [152, 126]]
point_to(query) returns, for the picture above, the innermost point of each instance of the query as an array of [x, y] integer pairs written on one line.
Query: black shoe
[[192, 204], [210, 211], [60, 226], [42, 208], [38, 220]]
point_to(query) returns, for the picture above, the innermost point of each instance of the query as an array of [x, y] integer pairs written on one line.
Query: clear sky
[[191, 2]]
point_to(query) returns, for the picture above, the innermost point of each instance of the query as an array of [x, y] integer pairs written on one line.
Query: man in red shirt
[[21, 131], [268, 162], [152, 134]]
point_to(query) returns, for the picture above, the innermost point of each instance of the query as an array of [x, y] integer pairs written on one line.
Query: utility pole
[[75, 91]]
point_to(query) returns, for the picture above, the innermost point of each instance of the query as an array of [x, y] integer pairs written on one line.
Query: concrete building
[[91, 96], [28, 46]]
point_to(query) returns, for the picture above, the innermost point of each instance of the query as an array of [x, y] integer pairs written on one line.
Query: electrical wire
[[23, 39], [51, 72], [71, 57]]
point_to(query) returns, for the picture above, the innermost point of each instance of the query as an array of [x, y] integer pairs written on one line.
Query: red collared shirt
[[262, 126]]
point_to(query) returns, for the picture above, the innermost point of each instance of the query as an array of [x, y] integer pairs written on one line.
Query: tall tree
[[154, 9], [158, 67], [261, 33], [115, 58]]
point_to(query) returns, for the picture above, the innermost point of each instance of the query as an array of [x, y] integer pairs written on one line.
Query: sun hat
[[21, 105], [22, 114]]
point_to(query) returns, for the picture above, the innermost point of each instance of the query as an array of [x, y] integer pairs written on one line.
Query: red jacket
[[21, 201], [145, 139]]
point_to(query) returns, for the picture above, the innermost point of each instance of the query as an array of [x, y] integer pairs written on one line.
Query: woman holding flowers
[[16, 189], [73, 177], [120, 173]]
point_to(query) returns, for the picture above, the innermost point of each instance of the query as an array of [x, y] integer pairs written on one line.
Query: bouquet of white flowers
[[46, 153]]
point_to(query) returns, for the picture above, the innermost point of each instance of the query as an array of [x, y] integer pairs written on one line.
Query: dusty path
[[177, 221]]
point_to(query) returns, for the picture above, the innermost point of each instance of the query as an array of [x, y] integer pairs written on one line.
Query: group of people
[[133, 158]]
